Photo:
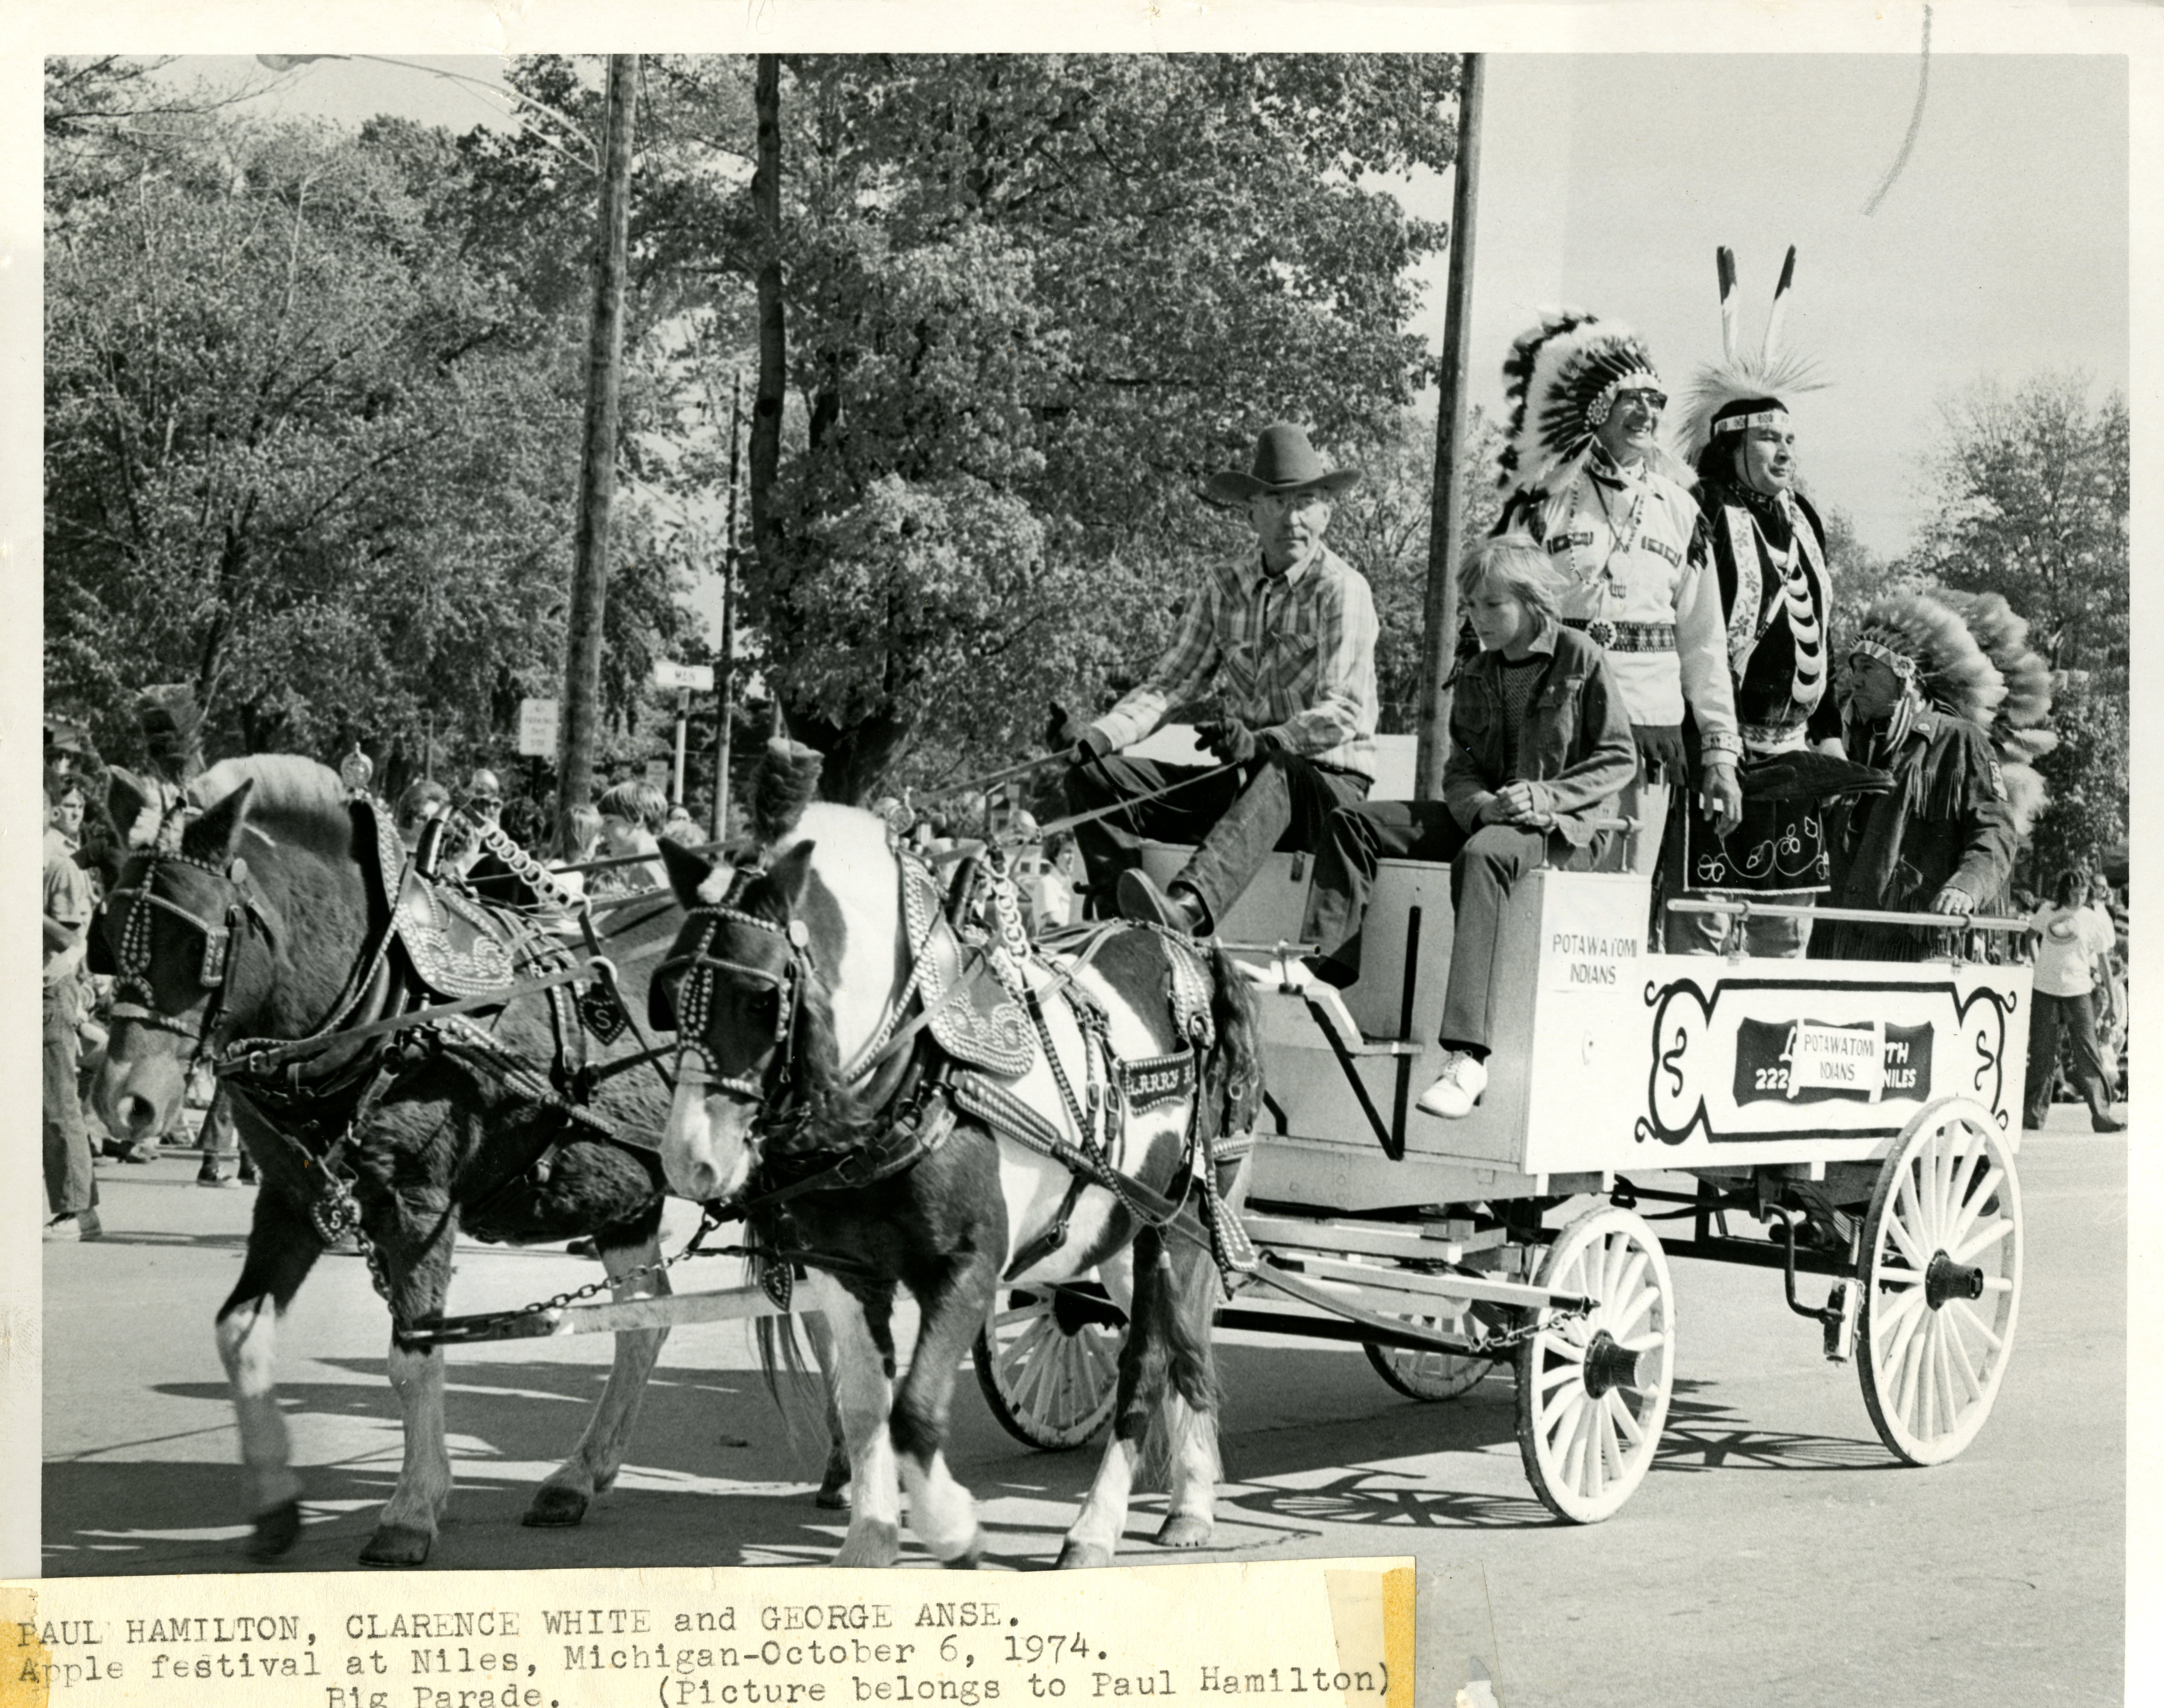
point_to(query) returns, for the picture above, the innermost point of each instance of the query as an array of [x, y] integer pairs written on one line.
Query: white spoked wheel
[[1049, 1366], [1941, 1279], [1424, 1374], [1593, 1390]]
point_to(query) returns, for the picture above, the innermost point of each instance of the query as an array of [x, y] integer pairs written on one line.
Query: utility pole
[[582, 664], [725, 666], [1446, 515]]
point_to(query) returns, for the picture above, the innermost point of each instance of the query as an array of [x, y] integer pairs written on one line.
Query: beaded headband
[[1744, 423]]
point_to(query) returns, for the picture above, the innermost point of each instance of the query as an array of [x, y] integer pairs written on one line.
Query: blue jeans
[[2078, 1015], [70, 1178], [1485, 864]]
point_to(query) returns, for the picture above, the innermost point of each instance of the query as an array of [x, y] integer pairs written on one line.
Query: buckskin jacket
[[1635, 552], [1574, 744]]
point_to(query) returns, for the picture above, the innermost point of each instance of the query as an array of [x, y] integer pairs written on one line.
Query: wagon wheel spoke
[[1990, 1234], [1960, 1307], [1975, 1204], [1620, 1412]]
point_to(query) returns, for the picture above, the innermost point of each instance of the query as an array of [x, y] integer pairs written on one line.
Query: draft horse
[[278, 914], [879, 1095]]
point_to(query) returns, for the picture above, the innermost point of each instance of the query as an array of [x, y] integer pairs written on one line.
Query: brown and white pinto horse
[[278, 869], [786, 983]]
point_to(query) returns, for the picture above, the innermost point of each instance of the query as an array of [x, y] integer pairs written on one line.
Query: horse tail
[[1233, 1077]]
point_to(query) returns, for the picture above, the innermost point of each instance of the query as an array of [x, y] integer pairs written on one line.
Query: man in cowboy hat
[[1286, 641]]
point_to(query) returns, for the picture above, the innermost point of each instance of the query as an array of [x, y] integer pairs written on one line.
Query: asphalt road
[[1775, 1553]]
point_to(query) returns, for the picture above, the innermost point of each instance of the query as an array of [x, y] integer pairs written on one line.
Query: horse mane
[[291, 789], [847, 838]]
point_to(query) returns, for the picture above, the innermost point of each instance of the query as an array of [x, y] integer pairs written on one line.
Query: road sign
[[537, 727], [657, 773], [667, 674]]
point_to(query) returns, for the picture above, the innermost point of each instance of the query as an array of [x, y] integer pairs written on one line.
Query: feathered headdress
[[1969, 654], [2016, 727], [1560, 381], [1720, 392]]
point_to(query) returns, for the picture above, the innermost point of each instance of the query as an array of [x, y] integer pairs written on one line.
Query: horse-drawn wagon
[[1865, 1112], [839, 1020]]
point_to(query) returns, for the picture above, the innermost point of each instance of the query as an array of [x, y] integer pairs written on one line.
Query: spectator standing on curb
[[2071, 939], [71, 1178]]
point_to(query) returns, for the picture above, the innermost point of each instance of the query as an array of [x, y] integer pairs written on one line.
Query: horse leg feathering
[[864, 1395], [592, 1467]]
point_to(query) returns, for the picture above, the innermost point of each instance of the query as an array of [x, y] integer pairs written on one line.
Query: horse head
[[194, 934], [733, 989], [167, 936], [776, 977]]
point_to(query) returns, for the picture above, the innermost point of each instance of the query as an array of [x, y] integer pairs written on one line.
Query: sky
[[1607, 181]]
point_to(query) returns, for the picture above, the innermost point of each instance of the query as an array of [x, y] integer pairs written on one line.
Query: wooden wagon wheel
[[1593, 1390], [1426, 1373], [1940, 1270], [1048, 1363]]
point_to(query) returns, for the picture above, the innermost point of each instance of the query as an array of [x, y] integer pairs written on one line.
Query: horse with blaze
[[432, 1137], [811, 1094]]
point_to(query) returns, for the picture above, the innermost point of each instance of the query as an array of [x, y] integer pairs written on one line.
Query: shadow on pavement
[[713, 1478]]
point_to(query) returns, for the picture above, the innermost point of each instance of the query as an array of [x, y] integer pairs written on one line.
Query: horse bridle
[[696, 991], [130, 963]]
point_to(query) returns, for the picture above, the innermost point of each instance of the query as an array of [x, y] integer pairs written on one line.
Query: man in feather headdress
[[1615, 515], [1769, 559], [1920, 695]]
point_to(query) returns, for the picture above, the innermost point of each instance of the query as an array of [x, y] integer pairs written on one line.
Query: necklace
[[1621, 540]]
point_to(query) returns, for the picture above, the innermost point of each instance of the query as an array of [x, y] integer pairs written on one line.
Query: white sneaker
[[1453, 1093]]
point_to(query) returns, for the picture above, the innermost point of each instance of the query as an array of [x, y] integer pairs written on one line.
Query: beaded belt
[[1625, 637]]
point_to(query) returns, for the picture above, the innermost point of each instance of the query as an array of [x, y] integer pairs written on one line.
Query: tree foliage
[[2032, 488], [1040, 299], [306, 447]]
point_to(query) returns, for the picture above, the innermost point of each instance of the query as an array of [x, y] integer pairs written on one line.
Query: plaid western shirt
[[1291, 656]]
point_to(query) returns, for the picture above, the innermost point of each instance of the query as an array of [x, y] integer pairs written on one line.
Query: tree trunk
[[765, 458], [582, 664], [1446, 521]]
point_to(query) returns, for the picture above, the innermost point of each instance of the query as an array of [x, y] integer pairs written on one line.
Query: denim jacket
[[1575, 747]]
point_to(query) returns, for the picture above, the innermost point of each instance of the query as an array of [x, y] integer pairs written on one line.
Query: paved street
[[1775, 1554]]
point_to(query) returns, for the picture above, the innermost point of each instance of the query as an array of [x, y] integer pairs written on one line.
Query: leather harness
[[957, 1053]]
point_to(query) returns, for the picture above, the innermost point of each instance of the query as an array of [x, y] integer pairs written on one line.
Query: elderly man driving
[[1285, 639]]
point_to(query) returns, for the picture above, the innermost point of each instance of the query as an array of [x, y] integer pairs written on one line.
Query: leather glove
[[1078, 742], [1660, 748], [1231, 741]]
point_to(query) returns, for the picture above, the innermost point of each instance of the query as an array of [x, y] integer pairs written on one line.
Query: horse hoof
[[1184, 1530], [1076, 1555], [556, 1508], [833, 1497], [872, 1543], [396, 1545], [276, 1531], [971, 1558]]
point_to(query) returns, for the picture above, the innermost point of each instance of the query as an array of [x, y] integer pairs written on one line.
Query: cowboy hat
[[1284, 462]]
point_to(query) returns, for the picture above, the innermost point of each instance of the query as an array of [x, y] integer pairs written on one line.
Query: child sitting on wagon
[[1540, 747]]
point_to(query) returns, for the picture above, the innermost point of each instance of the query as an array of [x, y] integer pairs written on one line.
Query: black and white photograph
[[1054, 795]]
